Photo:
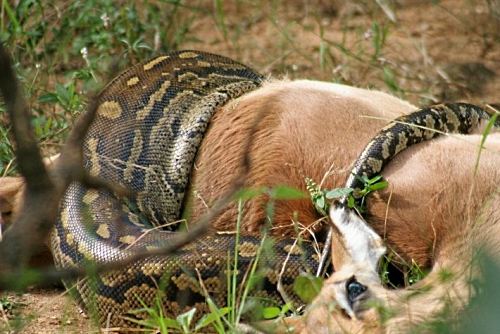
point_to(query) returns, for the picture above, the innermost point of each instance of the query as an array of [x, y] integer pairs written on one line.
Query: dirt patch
[[43, 311]]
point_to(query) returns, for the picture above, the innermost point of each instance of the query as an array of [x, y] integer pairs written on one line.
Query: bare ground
[[44, 311]]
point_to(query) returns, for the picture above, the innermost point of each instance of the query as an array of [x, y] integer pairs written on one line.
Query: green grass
[[64, 50], [240, 302], [10, 320]]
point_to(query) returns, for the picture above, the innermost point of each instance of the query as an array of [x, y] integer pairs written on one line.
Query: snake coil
[[150, 121], [149, 125], [405, 131]]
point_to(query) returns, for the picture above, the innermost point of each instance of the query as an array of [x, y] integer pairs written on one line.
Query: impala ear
[[354, 240], [11, 190], [11, 195]]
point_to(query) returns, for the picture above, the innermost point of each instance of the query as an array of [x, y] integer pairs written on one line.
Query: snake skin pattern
[[411, 129], [149, 124]]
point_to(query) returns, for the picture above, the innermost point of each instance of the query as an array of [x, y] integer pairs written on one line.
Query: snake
[[149, 124], [407, 130], [401, 133]]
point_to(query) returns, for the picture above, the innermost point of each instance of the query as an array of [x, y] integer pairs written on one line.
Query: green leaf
[[307, 287], [390, 80], [320, 202], [217, 315], [168, 322], [379, 185], [185, 319], [285, 308], [12, 16], [286, 193], [153, 320], [338, 193], [252, 307], [351, 202], [255, 280], [62, 93], [377, 39], [48, 98], [209, 318], [271, 312], [485, 134], [375, 179]]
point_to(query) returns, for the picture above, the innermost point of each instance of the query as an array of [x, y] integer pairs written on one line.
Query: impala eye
[[354, 289]]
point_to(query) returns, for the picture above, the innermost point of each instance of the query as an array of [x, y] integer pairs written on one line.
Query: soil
[[44, 311], [444, 50]]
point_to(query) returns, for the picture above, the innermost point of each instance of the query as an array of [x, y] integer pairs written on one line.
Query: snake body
[[149, 124], [407, 130], [150, 121]]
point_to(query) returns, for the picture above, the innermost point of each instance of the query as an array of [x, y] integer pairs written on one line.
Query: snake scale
[[405, 131], [363, 246], [149, 124]]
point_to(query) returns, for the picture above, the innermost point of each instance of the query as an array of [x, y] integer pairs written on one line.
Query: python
[[305, 129]]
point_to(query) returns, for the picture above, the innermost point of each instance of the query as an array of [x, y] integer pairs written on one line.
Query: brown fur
[[434, 196], [11, 189], [11, 198], [442, 213], [11, 194], [306, 127]]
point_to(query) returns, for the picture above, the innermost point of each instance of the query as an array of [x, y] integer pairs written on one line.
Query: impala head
[[346, 302]]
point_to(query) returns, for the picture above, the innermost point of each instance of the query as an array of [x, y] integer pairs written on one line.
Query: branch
[[18, 280], [28, 232], [27, 152], [44, 192]]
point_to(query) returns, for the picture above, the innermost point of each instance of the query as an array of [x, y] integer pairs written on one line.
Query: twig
[[29, 231], [44, 192], [51, 275]]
